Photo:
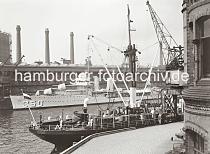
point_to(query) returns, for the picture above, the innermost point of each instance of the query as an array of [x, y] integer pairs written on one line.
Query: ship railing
[[104, 123], [126, 121], [51, 127], [63, 127]]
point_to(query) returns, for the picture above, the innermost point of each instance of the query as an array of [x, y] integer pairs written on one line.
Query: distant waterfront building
[[5, 47], [196, 19]]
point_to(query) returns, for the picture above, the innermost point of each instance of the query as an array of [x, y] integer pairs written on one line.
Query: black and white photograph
[[104, 76]]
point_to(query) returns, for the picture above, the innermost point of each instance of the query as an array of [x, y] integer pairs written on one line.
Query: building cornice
[[200, 111], [197, 4], [201, 12], [196, 128]]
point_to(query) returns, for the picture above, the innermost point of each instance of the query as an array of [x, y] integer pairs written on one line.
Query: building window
[[198, 144], [203, 35]]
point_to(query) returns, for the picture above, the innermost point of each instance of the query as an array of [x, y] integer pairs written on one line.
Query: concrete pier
[[149, 140]]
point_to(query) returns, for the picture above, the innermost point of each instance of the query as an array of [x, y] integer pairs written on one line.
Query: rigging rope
[[150, 46], [118, 69], [148, 80], [104, 42], [109, 73], [122, 76], [110, 46], [146, 49]]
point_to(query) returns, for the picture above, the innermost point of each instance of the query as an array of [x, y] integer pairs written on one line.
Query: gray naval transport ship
[[65, 95]]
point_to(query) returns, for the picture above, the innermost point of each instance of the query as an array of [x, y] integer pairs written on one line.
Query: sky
[[105, 19]]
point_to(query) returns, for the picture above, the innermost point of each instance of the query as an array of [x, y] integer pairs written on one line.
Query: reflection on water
[[14, 134]]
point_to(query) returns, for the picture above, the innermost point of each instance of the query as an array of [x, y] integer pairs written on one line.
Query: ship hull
[[18, 102], [63, 139]]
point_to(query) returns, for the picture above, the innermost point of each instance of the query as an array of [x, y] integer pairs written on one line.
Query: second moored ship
[[63, 95]]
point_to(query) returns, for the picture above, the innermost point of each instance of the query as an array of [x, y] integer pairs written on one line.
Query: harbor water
[[15, 136]]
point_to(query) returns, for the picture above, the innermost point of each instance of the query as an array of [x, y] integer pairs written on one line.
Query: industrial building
[[196, 15], [5, 48]]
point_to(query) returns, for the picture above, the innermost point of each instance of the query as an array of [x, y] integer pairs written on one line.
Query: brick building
[[196, 15], [5, 47]]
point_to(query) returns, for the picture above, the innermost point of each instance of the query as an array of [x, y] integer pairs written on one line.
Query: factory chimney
[[18, 44], [72, 47], [47, 48]]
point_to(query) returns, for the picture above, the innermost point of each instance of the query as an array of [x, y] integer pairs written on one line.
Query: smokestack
[[18, 45], [47, 48], [72, 47]]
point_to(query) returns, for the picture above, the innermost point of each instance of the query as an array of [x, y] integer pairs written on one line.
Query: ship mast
[[129, 26], [131, 54]]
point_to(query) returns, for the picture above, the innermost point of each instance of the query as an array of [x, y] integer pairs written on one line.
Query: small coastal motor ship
[[64, 132]]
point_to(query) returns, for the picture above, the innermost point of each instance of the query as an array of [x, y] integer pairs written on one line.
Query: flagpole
[[32, 114], [30, 110]]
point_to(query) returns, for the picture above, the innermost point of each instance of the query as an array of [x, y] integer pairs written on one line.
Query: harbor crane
[[171, 56]]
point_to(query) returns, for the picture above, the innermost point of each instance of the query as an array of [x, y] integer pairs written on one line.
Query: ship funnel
[[72, 47], [96, 83], [47, 48], [86, 100], [18, 44], [109, 86]]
